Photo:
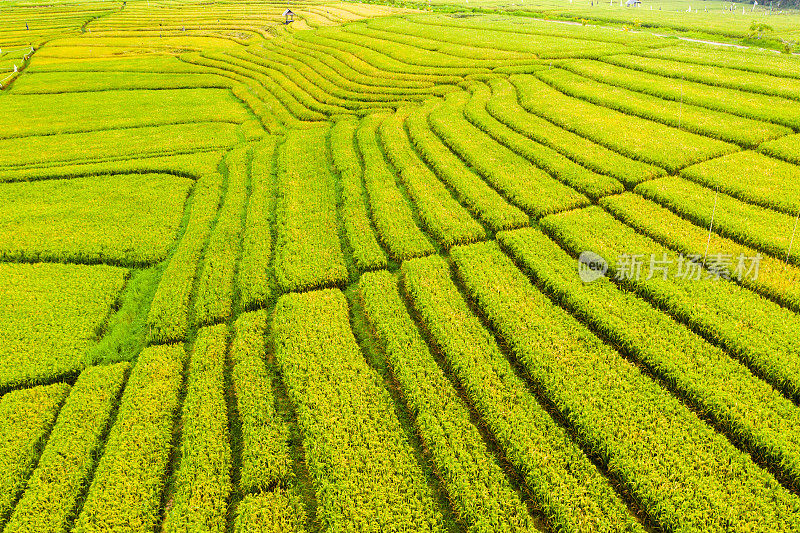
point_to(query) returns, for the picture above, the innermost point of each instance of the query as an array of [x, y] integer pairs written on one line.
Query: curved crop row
[[476, 485], [748, 410], [391, 212], [367, 253], [308, 253], [168, 318], [361, 463], [684, 475], [716, 76], [583, 180], [482, 201], [753, 178], [528, 187], [750, 225], [651, 142], [504, 107], [755, 106], [775, 280], [725, 127], [441, 214], [563, 482], [719, 311]]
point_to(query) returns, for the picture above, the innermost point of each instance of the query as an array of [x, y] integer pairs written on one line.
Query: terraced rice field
[[323, 276]]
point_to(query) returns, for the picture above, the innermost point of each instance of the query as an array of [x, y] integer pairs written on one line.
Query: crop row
[[753, 178], [191, 165], [784, 148], [499, 31], [750, 105], [128, 484], [775, 279], [395, 56], [320, 93], [26, 115], [215, 284], [441, 214], [54, 489], [116, 144], [750, 225], [362, 466], [657, 144], [743, 131], [289, 106], [504, 107], [168, 318], [528, 187], [26, 418], [484, 47], [271, 512], [719, 311], [583, 180], [750, 60], [41, 347], [746, 408], [367, 253], [355, 95], [265, 459], [562, 481], [370, 62], [482, 201], [716, 76], [478, 488], [307, 252], [448, 58], [493, 40], [391, 212], [353, 71], [254, 277], [202, 483], [684, 475], [74, 219], [304, 91]]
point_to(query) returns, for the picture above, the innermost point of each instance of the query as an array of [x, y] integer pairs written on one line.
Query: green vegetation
[[27, 416], [604, 398], [367, 253], [320, 274], [127, 220], [392, 215], [567, 487], [214, 293], [202, 482], [255, 282], [531, 189], [308, 253], [717, 310], [37, 347], [707, 377], [363, 469], [480, 492], [54, 489], [126, 491], [265, 454]]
